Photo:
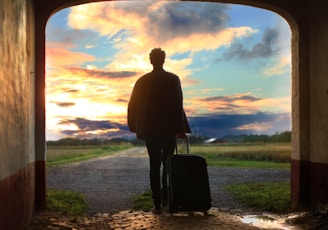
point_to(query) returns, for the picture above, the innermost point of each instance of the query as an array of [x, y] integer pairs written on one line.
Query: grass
[[249, 156], [57, 156], [271, 197], [265, 197], [143, 202], [66, 202], [246, 164]]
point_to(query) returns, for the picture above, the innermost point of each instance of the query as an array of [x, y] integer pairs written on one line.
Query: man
[[156, 115]]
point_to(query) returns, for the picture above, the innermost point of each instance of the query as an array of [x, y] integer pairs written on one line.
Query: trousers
[[159, 149]]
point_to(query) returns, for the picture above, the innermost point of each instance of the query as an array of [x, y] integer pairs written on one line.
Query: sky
[[234, 63]]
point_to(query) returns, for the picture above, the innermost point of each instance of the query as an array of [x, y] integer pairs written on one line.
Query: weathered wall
[[318, 24], [319, 83], [309, 174], [17, 113]]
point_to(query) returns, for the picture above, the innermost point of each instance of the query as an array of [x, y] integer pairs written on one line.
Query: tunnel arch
[[43, 11]]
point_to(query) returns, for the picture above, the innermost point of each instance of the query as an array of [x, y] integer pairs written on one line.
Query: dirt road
[[109, 183]]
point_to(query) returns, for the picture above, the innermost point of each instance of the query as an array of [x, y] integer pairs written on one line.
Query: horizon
[[234, 63]]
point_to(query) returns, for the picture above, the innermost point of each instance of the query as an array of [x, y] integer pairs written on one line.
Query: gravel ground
[[109, 183]]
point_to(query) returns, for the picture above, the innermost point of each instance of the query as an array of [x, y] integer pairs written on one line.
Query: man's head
[[157, 57]]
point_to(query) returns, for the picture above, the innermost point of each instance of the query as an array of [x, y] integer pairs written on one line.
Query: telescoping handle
[[187, 144]]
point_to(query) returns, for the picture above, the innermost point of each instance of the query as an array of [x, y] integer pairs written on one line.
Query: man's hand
[[181, 135]]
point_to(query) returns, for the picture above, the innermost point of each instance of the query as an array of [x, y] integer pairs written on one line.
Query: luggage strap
[[187, 144]]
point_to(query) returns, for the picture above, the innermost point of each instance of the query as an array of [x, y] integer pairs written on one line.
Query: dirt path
[[110, 182]]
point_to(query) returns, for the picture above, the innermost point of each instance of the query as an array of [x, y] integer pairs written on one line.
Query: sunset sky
[[234, 63]]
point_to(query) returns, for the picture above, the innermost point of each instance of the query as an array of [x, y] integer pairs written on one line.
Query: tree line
[[193, 139], [276, 138]]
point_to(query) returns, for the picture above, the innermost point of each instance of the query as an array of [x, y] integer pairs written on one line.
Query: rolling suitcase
[[189, 188]]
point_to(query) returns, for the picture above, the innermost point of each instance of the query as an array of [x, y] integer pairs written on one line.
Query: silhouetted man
[[156, 115]]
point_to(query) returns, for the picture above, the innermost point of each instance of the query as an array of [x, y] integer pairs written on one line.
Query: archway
[[44, 14]]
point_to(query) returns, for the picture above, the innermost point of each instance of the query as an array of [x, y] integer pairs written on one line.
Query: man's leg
[[168, 147], [154, 152]]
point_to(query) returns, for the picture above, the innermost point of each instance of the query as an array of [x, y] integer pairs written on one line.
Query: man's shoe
[[157, 209]]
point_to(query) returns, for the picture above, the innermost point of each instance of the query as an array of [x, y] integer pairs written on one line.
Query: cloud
[[85, 86], [65, 104], [101, 73], [232, 98], [122, 100], [92, 125], [71, 90], [273, 45], [213, 125], [282, 66], [58, 56], [177, 27], [69, 37], [236, 103], [218, 125], [267, 47], [173, 20], [160, 21], [87, 129]]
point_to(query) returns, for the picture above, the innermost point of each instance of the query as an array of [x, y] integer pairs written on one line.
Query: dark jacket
[[156, 106]]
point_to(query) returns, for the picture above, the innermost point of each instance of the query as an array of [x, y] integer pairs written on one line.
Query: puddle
[[268, 221]]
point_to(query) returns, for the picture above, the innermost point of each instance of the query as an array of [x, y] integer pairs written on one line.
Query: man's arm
[[180, 115], [132, 109]]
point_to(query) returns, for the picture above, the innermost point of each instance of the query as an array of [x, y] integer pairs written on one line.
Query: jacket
[[156, 106]]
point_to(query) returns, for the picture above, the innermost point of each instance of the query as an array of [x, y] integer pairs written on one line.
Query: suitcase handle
[[187, 144]]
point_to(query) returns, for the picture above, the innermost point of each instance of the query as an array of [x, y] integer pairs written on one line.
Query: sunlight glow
[[229, 66]]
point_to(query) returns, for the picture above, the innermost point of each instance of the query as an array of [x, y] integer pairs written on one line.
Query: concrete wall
[[16, 113]]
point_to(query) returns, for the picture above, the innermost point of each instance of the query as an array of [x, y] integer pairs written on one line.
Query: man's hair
[[157, 56]]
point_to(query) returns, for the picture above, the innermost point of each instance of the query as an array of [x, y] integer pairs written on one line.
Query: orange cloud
[[258, 126], [282, 66], [57, 56], [237, 104]]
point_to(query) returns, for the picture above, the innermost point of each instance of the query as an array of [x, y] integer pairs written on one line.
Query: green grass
[[66, 202], [265, 197], [228, 155], [57, 156], [143, 202], [246, 156], [246, 164], [271, 197]]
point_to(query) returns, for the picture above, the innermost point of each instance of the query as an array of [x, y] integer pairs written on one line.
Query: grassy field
[[271, 155], [60, 155], [258, 155], [276, 155]]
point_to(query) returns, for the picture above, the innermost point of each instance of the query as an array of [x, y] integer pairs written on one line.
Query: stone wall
[[16, 113]]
